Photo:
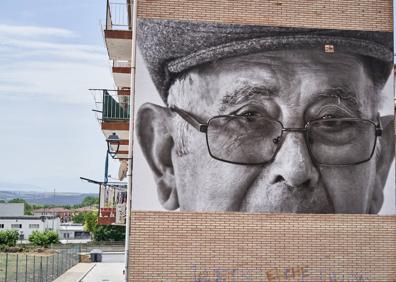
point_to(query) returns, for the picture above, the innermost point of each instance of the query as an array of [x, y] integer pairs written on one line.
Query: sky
[[51, 53]]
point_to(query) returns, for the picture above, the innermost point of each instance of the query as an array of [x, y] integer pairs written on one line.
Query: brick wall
[[339, 14], [265, 247], [262, 247]]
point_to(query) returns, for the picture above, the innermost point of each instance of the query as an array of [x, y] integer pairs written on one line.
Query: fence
[[37, 267], [104, 246]]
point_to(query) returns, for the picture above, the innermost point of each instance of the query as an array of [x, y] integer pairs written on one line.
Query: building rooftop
[[51, 210], [28, 217], [12, 209]]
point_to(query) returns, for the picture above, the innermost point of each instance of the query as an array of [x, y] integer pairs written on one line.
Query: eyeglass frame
[[203, 127]]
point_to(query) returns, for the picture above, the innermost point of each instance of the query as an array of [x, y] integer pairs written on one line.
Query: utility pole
[[53, 214]]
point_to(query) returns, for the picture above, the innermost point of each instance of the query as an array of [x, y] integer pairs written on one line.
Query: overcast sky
[[51, 52]]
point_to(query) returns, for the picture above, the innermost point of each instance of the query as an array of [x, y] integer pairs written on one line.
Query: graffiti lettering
[[285, 274]]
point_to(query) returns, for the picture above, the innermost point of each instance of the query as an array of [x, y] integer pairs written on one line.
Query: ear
[[153, 134], [384, 157]]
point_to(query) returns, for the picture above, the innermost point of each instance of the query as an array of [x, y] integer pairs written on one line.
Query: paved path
[[106, 272], [94, 272], [76, 273]]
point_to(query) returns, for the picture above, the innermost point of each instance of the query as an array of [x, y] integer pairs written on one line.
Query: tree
[[91, 221], [90, 201], [79, 217], [109, 233], [44, 238], [28, 208]]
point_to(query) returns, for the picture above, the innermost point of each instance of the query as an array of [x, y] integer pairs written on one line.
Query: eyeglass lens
[[341, 142], [243, 139], [255, 140]]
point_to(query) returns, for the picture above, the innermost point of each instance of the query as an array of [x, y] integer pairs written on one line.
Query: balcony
[[112, 111], [115, 107], [118, 30], [122, 73]]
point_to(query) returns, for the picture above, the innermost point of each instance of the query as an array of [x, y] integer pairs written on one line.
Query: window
[[66, 235], [34, 226], [1, 226], [16, 226]]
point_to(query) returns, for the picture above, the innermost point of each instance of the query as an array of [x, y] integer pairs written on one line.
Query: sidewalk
[[94, 272], [109, 272], [76, 273]]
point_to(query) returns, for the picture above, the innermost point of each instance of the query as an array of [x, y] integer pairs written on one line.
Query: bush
[[9, 237], [3, 248], [109, 233], [52, 237], [44, 238]]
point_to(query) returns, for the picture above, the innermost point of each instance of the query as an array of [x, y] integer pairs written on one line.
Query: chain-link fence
[[37, 267]]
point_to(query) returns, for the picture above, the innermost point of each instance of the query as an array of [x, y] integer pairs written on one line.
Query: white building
[[73, 233], [26, 224]]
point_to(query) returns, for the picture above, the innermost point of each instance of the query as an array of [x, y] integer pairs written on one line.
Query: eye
[[249, 111], [250, 114], [328, 117]]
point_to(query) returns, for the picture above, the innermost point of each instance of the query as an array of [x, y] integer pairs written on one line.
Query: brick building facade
[[265, 247]]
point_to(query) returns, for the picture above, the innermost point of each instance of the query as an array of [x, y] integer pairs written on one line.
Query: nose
[[293, 163]]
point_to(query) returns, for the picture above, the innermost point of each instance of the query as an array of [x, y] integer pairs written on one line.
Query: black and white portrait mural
[[263, 119]]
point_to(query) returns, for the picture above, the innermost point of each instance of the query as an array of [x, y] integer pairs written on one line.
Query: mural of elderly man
[[266, 119]]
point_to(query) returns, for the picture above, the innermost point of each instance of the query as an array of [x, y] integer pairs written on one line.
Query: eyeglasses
[[255, 139]]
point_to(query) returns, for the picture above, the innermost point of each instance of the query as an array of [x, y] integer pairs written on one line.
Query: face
[[293, 87]]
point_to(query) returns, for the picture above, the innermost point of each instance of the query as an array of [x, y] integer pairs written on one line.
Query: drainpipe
[[131, 134]]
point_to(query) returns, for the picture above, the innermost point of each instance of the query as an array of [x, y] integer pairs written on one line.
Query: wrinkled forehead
[[279, 72]]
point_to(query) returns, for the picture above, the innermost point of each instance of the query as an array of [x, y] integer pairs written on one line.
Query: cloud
[[36, 63], [34, 31]]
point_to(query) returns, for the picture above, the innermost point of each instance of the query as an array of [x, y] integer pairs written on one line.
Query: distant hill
[[8, 186], [46, 198]]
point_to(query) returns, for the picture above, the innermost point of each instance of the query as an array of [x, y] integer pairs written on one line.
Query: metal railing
[[37, 267], [118, 16], [103, 246], [121, 64], [111, 105]]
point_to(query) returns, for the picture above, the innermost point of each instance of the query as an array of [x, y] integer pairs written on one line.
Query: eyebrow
[[243, 91]]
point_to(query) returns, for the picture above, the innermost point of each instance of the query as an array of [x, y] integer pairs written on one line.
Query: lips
[[281, 197]]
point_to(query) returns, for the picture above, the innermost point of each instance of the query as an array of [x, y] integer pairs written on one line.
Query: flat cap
[[170, 47]]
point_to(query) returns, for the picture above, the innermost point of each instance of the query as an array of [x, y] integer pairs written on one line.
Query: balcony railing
[[121, 64], [118, 16], [111, 105]]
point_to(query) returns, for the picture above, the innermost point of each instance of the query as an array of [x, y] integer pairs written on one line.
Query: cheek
[[204, 183], [349, 188]]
